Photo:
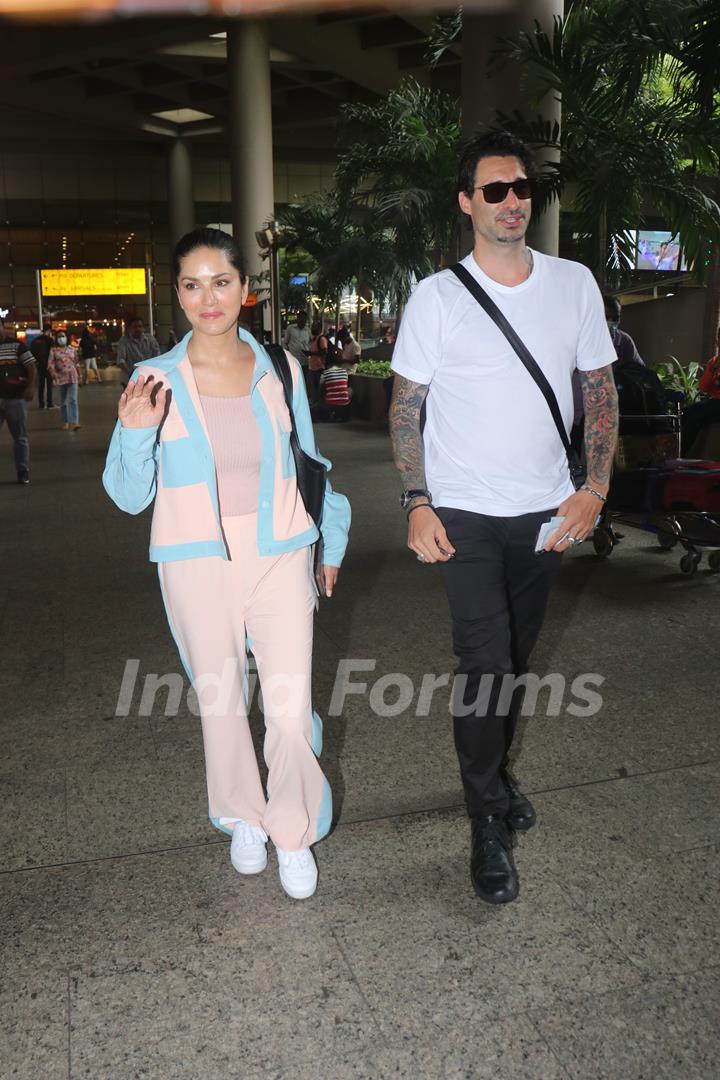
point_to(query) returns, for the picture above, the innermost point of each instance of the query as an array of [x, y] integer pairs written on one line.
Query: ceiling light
[[183, 116]]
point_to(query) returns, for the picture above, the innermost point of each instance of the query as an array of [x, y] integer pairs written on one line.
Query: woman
[[317, 359], [63, 366], [205, 431]]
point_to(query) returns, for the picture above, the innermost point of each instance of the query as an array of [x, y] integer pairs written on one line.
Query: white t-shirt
[[491, 445]]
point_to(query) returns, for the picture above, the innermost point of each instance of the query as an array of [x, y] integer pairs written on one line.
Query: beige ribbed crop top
[[235, 442]]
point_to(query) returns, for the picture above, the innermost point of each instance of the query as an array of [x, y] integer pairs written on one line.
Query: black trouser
[[44, 382], [497, 588]]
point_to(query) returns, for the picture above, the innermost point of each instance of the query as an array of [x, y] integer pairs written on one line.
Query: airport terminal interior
[[130, 947]]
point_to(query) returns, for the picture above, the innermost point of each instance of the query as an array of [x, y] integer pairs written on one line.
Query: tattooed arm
[[426, 533], [601, 424], [407, 443], [580, 510]]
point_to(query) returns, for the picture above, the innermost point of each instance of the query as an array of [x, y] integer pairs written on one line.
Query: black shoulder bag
[[311, 473], [575, 466]]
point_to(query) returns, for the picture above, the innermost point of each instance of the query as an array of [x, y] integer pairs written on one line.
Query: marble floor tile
[[141, 806], [34, 1026], [664, 1029], [430, 957], [229, 1010], [661, 912], [32, 824], [120, 909], [662, 728]]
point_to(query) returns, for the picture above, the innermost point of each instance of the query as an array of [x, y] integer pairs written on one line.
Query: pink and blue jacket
[[174, 465]]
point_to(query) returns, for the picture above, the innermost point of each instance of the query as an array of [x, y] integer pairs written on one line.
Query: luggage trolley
[[653, 489]]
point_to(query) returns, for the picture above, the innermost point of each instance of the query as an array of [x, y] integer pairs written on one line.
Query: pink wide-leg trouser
[[217, 609]]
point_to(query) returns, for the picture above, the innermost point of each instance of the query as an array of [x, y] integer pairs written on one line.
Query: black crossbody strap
[[282, 368], [518, 345]]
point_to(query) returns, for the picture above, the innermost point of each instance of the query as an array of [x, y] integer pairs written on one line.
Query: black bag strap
[[282, 370], [521, 349]]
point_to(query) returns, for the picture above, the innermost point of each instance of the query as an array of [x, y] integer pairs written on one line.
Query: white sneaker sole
[[299, 892], [251, 866]]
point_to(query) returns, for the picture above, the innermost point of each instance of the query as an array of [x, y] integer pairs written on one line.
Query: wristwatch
[[416, 493]]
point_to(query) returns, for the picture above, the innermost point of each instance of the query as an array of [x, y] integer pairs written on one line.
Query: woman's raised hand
[[142, 403]]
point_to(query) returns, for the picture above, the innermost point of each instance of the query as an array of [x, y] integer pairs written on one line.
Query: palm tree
[[640, 124], [397, 167], [343, 244]]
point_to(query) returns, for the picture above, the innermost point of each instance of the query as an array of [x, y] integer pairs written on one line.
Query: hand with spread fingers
[[427, 536], [142, 403], [580, 511]]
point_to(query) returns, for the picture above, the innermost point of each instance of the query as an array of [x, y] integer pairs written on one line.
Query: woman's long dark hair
[[211, 238]]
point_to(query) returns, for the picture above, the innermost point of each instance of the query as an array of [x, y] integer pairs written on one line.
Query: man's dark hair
[[613, 304], [211, 238], [490, 144], [133, 321]]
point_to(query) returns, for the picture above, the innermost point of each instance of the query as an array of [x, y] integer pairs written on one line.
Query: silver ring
[[574, 540], [421, 558]]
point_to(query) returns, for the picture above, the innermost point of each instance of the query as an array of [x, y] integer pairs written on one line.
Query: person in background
[[63, 366], [88, 352], [625, 347], [40, 348], [705, 413], [316, 360], [335, 393], [297, 339], [351, 351], [18, 371], [134, 347]]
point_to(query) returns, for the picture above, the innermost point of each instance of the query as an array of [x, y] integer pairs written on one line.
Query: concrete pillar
[[483, 95], [181, 216], [251, 149]]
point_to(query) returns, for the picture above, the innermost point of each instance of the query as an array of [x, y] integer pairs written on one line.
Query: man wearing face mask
[[62, 365]]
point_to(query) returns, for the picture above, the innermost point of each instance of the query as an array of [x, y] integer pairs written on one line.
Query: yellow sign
[[123, 281]]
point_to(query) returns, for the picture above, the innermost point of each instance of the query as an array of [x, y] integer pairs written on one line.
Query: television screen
[[659, 250], [299, 279]]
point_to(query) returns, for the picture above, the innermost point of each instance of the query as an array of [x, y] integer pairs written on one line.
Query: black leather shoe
[[521, 814], [492, 869]]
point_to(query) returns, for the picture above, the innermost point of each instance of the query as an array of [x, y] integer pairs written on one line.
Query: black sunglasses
[[497, 192]]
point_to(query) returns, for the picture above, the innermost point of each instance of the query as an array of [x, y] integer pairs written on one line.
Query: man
[[489, 467], [40, 348], [17, 386], [297, 339], [88, 352], [625, 347], [134, 346]]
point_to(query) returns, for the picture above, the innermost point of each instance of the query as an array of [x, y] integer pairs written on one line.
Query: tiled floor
[[130, 948]]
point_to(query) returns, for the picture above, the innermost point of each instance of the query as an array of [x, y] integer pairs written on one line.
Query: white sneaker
[[298, 872], [248, 853]]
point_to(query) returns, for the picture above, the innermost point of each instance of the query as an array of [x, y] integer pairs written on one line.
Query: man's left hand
[[580, 511], [327, 578]]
